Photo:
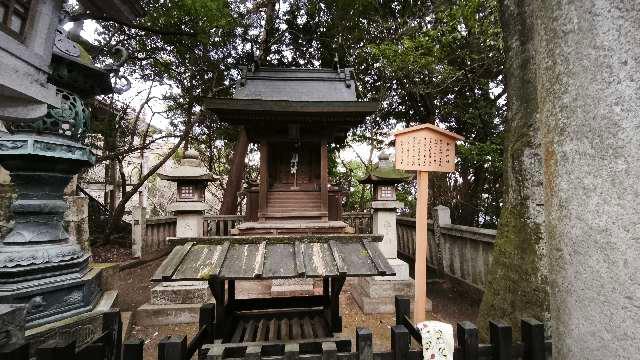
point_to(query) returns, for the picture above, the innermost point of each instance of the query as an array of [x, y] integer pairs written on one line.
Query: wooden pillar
[[264, 178], [324, 175], [420, 303]]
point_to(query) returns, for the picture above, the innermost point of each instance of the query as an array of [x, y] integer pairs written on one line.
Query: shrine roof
[[292, 91], [271, 257], [125, 10]]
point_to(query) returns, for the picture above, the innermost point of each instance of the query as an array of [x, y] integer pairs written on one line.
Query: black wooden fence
[[108, 346]]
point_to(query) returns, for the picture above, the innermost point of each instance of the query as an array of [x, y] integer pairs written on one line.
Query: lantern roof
[[385, 172], [190, 168]]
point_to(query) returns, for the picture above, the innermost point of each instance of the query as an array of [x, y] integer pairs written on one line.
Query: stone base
[[82, 328], [56, 298], [292, 287], [154, 315], [377, 296], [181, 292]]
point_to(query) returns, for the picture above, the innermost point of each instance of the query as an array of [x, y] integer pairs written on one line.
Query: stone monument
[[376, 294]]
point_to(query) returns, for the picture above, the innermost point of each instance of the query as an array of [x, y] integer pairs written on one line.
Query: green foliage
[[437, 63]]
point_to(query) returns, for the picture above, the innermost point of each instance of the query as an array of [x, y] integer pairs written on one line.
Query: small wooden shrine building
[[294, 115], [294, 228]]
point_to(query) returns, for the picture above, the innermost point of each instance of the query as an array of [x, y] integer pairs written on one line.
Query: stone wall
[[460, 252]]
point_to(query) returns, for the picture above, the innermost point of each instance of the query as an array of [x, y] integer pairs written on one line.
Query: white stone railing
[[460, 252]]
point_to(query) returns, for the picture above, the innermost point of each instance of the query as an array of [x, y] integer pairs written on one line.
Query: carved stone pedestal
[[40, 264]]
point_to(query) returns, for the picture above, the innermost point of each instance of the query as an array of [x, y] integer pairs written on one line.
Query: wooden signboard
[[424, 148]]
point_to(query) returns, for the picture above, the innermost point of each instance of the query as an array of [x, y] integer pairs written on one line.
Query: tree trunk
[[229, 204], [517, 284], [267, 31], [588, 62]]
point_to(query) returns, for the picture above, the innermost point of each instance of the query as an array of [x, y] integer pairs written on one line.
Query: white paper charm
[[437, 340]]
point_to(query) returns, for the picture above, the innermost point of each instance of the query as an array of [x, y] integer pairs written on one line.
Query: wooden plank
[[378, 259], [299, 254], [319, 327], [217, 266], [237, 335], [307, 328], [296, 332], [262, 330], [273, 329], [337, 257], [174, 262], [279, 261], [177, 253], [241, 261], [284, 329], [249, 335], [264, 177], [199, 262]]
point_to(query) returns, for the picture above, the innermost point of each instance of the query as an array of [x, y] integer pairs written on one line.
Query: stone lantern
[[41, 266], [376, 295], [191, 178]]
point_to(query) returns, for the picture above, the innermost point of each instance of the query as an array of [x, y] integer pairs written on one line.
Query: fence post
[[133, 349], [216, 352], [532, 339], [467, 334], [329, 350], [16, 351], [364, 344], [112, 322], [137, 241], [92, 352], [400, 342], [56, 350], [291, 351], [500, 334], [208, 318], [403, 308], [172, 348], [252, 353]]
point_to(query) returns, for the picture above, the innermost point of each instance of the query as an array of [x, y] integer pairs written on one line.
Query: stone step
[[298, 214]]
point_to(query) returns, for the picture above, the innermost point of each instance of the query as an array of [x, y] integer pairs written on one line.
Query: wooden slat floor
[[267, 329]]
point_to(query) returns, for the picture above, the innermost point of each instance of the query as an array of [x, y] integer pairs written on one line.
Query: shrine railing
[[156, 232], [359, 221], [221, 225], [461, 253]]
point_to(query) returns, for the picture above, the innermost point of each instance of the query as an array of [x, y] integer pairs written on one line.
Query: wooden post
[[133, 349], [400, 342], [264, 178], [324, 175], [424, 148], [420, 303], [364, 344], [467, 340], [500, 337], [533, 339]]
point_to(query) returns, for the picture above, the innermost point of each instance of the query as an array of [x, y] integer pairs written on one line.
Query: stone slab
[[292, 287], [181, 292], [154, 315], [378, 296]]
